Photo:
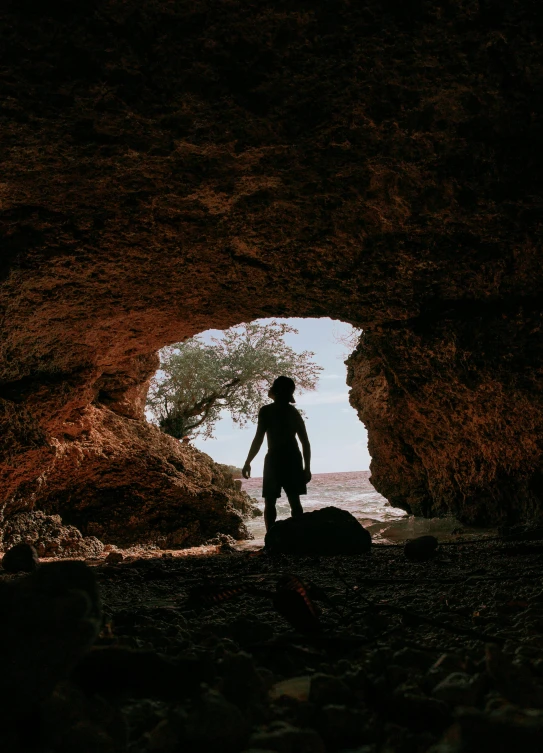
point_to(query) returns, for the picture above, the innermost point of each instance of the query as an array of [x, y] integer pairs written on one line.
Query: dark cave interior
[[168, 167]]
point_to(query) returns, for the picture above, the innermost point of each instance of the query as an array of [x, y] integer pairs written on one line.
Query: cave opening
[[339, 438], [340, 458]]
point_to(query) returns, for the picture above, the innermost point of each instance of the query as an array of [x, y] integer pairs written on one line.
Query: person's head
[[283, 389]]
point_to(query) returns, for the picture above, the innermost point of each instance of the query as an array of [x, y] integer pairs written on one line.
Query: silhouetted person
[[283, 466]]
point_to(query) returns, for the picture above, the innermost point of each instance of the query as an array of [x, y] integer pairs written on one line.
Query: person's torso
[[281, 422]]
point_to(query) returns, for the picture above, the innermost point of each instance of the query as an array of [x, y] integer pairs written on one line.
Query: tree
[[351, 338], [197, 380]]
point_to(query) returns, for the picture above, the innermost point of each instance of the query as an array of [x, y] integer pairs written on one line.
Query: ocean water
[[352, 492]]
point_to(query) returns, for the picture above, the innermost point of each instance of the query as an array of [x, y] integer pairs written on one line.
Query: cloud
[[323, 398]]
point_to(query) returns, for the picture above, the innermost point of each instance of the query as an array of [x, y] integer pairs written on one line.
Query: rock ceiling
[[168, 167]]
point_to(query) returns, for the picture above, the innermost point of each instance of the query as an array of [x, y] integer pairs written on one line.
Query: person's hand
[[246, 470], [307, 475]]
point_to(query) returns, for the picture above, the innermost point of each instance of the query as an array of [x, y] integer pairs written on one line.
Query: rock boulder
[[55, 615], [326, 531], [21, 558]]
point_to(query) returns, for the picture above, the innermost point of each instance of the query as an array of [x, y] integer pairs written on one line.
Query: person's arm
[[255, 446], [306, 447]]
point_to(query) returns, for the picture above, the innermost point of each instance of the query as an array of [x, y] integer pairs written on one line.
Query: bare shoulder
[[264, 412], [297, 414]]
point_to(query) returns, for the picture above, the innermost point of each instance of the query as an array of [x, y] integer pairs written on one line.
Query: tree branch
[[208, 402]]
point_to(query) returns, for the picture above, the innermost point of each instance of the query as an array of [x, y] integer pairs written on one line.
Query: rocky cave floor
[[441, 656]]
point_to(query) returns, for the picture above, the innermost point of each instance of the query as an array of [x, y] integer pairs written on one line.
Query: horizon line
[[324, 473]]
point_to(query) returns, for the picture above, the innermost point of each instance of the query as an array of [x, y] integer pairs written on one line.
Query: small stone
[[222, 540], [359, 683], [242, 684], [249, 630], [419, 713], [396, 674], [446, 665], [451, 662], [72, 721], [502, 730], [295, 687], [460, 689], [164, 738], [341, 726], [211, 725], [512, 679], [420, 549], [284, 738], [21, 558], [411, 658], [327, 689], [114, 557], [215, 724]]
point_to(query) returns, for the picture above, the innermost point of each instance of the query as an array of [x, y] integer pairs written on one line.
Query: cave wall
[[170, 167], [453, 408]]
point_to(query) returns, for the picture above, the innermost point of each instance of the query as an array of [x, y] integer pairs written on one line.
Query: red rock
[[114, 557], [307, 164], [49, 536]]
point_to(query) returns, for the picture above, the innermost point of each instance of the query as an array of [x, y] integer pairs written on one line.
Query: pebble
[[296, 687], [502, 730], [460, 689], [412, 658], [215, 724], [341, 726], [326, 689], [412, 709], [248, 630], [114, 557], [241, 684], [211, 725], [284, 738], [512, 679]]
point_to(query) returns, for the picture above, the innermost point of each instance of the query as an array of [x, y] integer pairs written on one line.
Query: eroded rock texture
[[123, 481], [47, 535], [169, 167]]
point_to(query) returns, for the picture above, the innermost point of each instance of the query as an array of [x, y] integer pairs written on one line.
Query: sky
[[338, 439]]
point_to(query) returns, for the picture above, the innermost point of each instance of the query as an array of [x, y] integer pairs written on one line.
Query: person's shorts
[[283, 470]]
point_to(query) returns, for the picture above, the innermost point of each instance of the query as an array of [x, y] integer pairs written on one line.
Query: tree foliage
[[198, 379], [350, 338]]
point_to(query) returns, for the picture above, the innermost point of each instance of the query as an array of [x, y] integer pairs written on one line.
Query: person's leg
[[296, 508], [270, 513]]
